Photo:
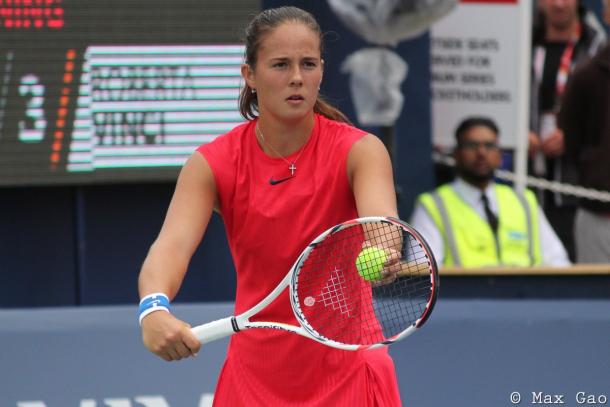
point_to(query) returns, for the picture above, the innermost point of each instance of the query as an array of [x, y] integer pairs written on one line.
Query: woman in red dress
[[295, 168]]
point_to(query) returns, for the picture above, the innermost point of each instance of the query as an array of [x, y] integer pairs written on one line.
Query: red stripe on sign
[[490, 1]]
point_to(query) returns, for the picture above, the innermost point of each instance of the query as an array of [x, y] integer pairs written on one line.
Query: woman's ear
[[248, 74]]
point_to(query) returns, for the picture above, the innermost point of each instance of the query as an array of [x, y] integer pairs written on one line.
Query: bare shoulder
[[196, 168], [369, 149], [196, 179], [370, 141]]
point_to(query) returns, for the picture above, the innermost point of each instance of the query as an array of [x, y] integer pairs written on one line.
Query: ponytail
[[248, 103], [330, 112]]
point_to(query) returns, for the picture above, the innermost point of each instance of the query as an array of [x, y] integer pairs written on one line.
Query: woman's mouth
[[295, 98]]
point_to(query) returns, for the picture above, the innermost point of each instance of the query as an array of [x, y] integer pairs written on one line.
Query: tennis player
[[295, 168]]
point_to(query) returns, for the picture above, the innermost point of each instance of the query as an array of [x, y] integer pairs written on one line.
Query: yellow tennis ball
[[370, 262]]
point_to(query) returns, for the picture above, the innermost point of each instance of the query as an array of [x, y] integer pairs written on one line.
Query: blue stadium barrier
[[472, 353]]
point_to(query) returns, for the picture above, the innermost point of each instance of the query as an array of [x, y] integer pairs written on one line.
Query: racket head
[[340, 306]]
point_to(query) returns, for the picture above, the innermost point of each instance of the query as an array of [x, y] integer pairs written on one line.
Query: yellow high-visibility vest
[[470, 241]]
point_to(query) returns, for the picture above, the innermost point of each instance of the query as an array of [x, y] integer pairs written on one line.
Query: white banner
[[476, 63]]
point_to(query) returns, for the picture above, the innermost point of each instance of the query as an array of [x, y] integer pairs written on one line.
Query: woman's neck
[[284, 138]]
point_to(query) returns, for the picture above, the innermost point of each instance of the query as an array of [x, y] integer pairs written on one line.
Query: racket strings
[[333, 293], [404, 301], [337, 303]]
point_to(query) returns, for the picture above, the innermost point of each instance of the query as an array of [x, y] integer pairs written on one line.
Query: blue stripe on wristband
[[151, 303]]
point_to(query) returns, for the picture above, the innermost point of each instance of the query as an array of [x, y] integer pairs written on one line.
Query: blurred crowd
[[472, 221]]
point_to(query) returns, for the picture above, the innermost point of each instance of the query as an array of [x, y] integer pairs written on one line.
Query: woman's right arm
[[167, 261]]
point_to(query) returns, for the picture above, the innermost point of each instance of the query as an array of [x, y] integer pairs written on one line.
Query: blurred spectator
[[565, 34], [473, 221], [585, 121]]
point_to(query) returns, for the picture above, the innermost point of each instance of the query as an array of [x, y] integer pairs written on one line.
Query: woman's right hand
[[168, 337]]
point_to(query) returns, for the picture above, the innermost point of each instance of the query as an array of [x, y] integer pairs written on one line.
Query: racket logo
[[309, 301], [333, 294]]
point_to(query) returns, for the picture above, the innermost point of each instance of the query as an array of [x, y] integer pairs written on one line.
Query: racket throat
[[234, 324]]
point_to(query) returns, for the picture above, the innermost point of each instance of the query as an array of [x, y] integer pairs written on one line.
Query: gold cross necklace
[[291, 165]]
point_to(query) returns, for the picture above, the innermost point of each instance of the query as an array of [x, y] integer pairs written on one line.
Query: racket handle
[[214, 330]]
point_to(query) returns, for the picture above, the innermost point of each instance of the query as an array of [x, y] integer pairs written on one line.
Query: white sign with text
[[475, 66]]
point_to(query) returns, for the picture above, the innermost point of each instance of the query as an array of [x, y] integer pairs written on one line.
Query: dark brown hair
[[260, 26]]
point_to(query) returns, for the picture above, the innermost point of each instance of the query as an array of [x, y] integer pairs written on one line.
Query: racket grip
[[214, 330]]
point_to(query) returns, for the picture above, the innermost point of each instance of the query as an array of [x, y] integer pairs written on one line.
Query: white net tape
[[539, 183]]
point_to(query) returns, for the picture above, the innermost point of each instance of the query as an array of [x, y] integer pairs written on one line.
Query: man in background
[[474, 222], [565, 34], [585, 121]]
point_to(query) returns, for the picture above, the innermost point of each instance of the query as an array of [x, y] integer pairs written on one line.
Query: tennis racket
[[335, 305]]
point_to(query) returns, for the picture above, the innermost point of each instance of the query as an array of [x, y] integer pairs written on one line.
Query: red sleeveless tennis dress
[[270, 217]]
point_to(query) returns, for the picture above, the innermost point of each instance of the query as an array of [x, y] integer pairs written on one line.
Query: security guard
[[474, 222]]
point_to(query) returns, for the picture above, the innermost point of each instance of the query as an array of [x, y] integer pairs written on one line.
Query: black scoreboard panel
[[111, 91]]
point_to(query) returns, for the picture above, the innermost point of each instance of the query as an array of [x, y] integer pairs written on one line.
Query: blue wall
[[469, 354], [85, 245]]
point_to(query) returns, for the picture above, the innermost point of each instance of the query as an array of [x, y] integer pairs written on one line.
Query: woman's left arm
[[369, 170]]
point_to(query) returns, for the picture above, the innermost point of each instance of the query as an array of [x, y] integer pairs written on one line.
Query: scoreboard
[[111, 91]]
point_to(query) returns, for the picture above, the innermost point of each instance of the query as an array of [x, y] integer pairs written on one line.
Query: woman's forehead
[[291, 36]]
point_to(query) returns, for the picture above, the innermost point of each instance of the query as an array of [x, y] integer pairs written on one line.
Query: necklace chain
[[291, 165]]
